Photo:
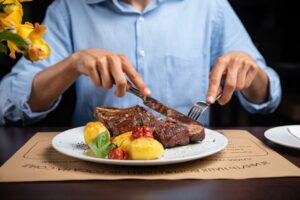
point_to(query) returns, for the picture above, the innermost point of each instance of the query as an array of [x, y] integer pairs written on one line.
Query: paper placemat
[[244, 157]]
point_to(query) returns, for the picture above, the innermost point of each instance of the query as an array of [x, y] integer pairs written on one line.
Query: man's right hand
[[105, 69]]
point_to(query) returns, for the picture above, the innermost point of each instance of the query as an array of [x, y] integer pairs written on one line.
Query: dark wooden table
[[11, 139]]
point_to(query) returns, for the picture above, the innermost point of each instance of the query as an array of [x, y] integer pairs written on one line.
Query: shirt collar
[[99, 1]]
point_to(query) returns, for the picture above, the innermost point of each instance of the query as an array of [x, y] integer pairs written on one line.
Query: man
[[183, 50]]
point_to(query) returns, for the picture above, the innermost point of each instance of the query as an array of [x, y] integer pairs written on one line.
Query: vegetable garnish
[[118, 154], [143, 131], [101, 145]]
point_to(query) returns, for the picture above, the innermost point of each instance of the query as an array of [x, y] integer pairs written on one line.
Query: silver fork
[[199, 108]]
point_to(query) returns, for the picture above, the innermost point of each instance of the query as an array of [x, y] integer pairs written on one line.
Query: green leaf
[[101, 145], [13, 37], [3, 48], [2, 6]]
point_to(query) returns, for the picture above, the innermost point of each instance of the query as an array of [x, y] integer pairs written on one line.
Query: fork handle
[[219, 95]]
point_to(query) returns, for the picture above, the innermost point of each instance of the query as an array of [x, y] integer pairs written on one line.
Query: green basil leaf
[[104, 150], [101, 145], [103, 139], [13, 37], [3, 48]]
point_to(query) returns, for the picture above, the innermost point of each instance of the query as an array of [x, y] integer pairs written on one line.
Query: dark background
[[273, 26]]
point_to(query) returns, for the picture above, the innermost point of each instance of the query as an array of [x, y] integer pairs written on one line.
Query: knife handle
[[135, 91]]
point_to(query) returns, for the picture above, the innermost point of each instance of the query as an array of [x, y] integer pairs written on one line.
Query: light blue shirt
[[173, 44]]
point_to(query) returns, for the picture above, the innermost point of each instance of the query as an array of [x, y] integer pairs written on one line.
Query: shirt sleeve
[[229, 35], [15, 87]]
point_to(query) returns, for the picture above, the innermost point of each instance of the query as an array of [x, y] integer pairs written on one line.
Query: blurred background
[[272, 25]]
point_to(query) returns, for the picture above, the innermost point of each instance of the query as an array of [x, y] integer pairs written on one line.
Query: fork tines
[[195, 112]]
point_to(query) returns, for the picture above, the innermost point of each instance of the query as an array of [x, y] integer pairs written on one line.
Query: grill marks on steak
[[169, 132], [123, 120]]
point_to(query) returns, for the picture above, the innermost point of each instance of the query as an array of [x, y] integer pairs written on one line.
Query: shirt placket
[[140, 48]]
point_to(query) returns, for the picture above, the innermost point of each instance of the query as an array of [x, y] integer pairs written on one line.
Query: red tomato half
[[118, 154], [143, 131]]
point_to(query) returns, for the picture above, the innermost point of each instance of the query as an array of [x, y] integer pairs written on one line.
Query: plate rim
[[268, 134], [138, 162]]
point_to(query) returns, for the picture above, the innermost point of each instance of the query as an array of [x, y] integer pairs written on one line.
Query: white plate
[[71, 143], [281, 136]]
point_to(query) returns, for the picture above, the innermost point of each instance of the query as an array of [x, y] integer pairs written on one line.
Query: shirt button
[[142, 53], [141, 19]]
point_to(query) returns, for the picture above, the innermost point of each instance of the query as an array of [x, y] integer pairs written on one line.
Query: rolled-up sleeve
[[15, 87], [230, 35], [15, 90], [274, 96]]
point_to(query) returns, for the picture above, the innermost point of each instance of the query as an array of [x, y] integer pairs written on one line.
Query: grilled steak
[[170, 132]]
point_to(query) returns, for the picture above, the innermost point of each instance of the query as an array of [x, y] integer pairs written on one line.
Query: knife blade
[[294, 131], [159, 107]]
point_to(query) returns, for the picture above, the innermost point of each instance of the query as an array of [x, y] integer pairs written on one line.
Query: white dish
[[280, 135], [71, 143]]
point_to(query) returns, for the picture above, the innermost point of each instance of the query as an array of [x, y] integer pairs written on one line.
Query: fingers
[[115, 66], [91, 71], [106, 68], [241, 77], [238, 70], [110, 69], [106, 78], [230, 81], [216, 78], [250, 76], [134, 76]]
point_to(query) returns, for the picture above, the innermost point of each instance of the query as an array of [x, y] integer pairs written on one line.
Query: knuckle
[[255, 66], [230, 85], [247, 64], [233, 67], [222, 60], [237, 60], [110, 58], [247, 84], [214, 81], [123, 57], [239, 87], [107, 85], [115, 58], [96, 83], [100, 60], [121, 83], [134, 76], [115, 62], [89, 66]]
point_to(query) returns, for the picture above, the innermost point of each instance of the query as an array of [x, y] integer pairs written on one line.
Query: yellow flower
[[38, 49], [24, 0], [12, 14]]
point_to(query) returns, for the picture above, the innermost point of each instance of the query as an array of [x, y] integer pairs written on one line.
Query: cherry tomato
[[118, 154], [143, 131]]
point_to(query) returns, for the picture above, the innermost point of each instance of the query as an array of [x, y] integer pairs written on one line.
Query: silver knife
[[159, 107], [292, 133]]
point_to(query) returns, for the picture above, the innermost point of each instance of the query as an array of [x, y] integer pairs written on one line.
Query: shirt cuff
[[274, 96], [20, 95]]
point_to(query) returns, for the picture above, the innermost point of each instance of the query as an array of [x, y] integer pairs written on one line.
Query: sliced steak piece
[[170, 132]]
